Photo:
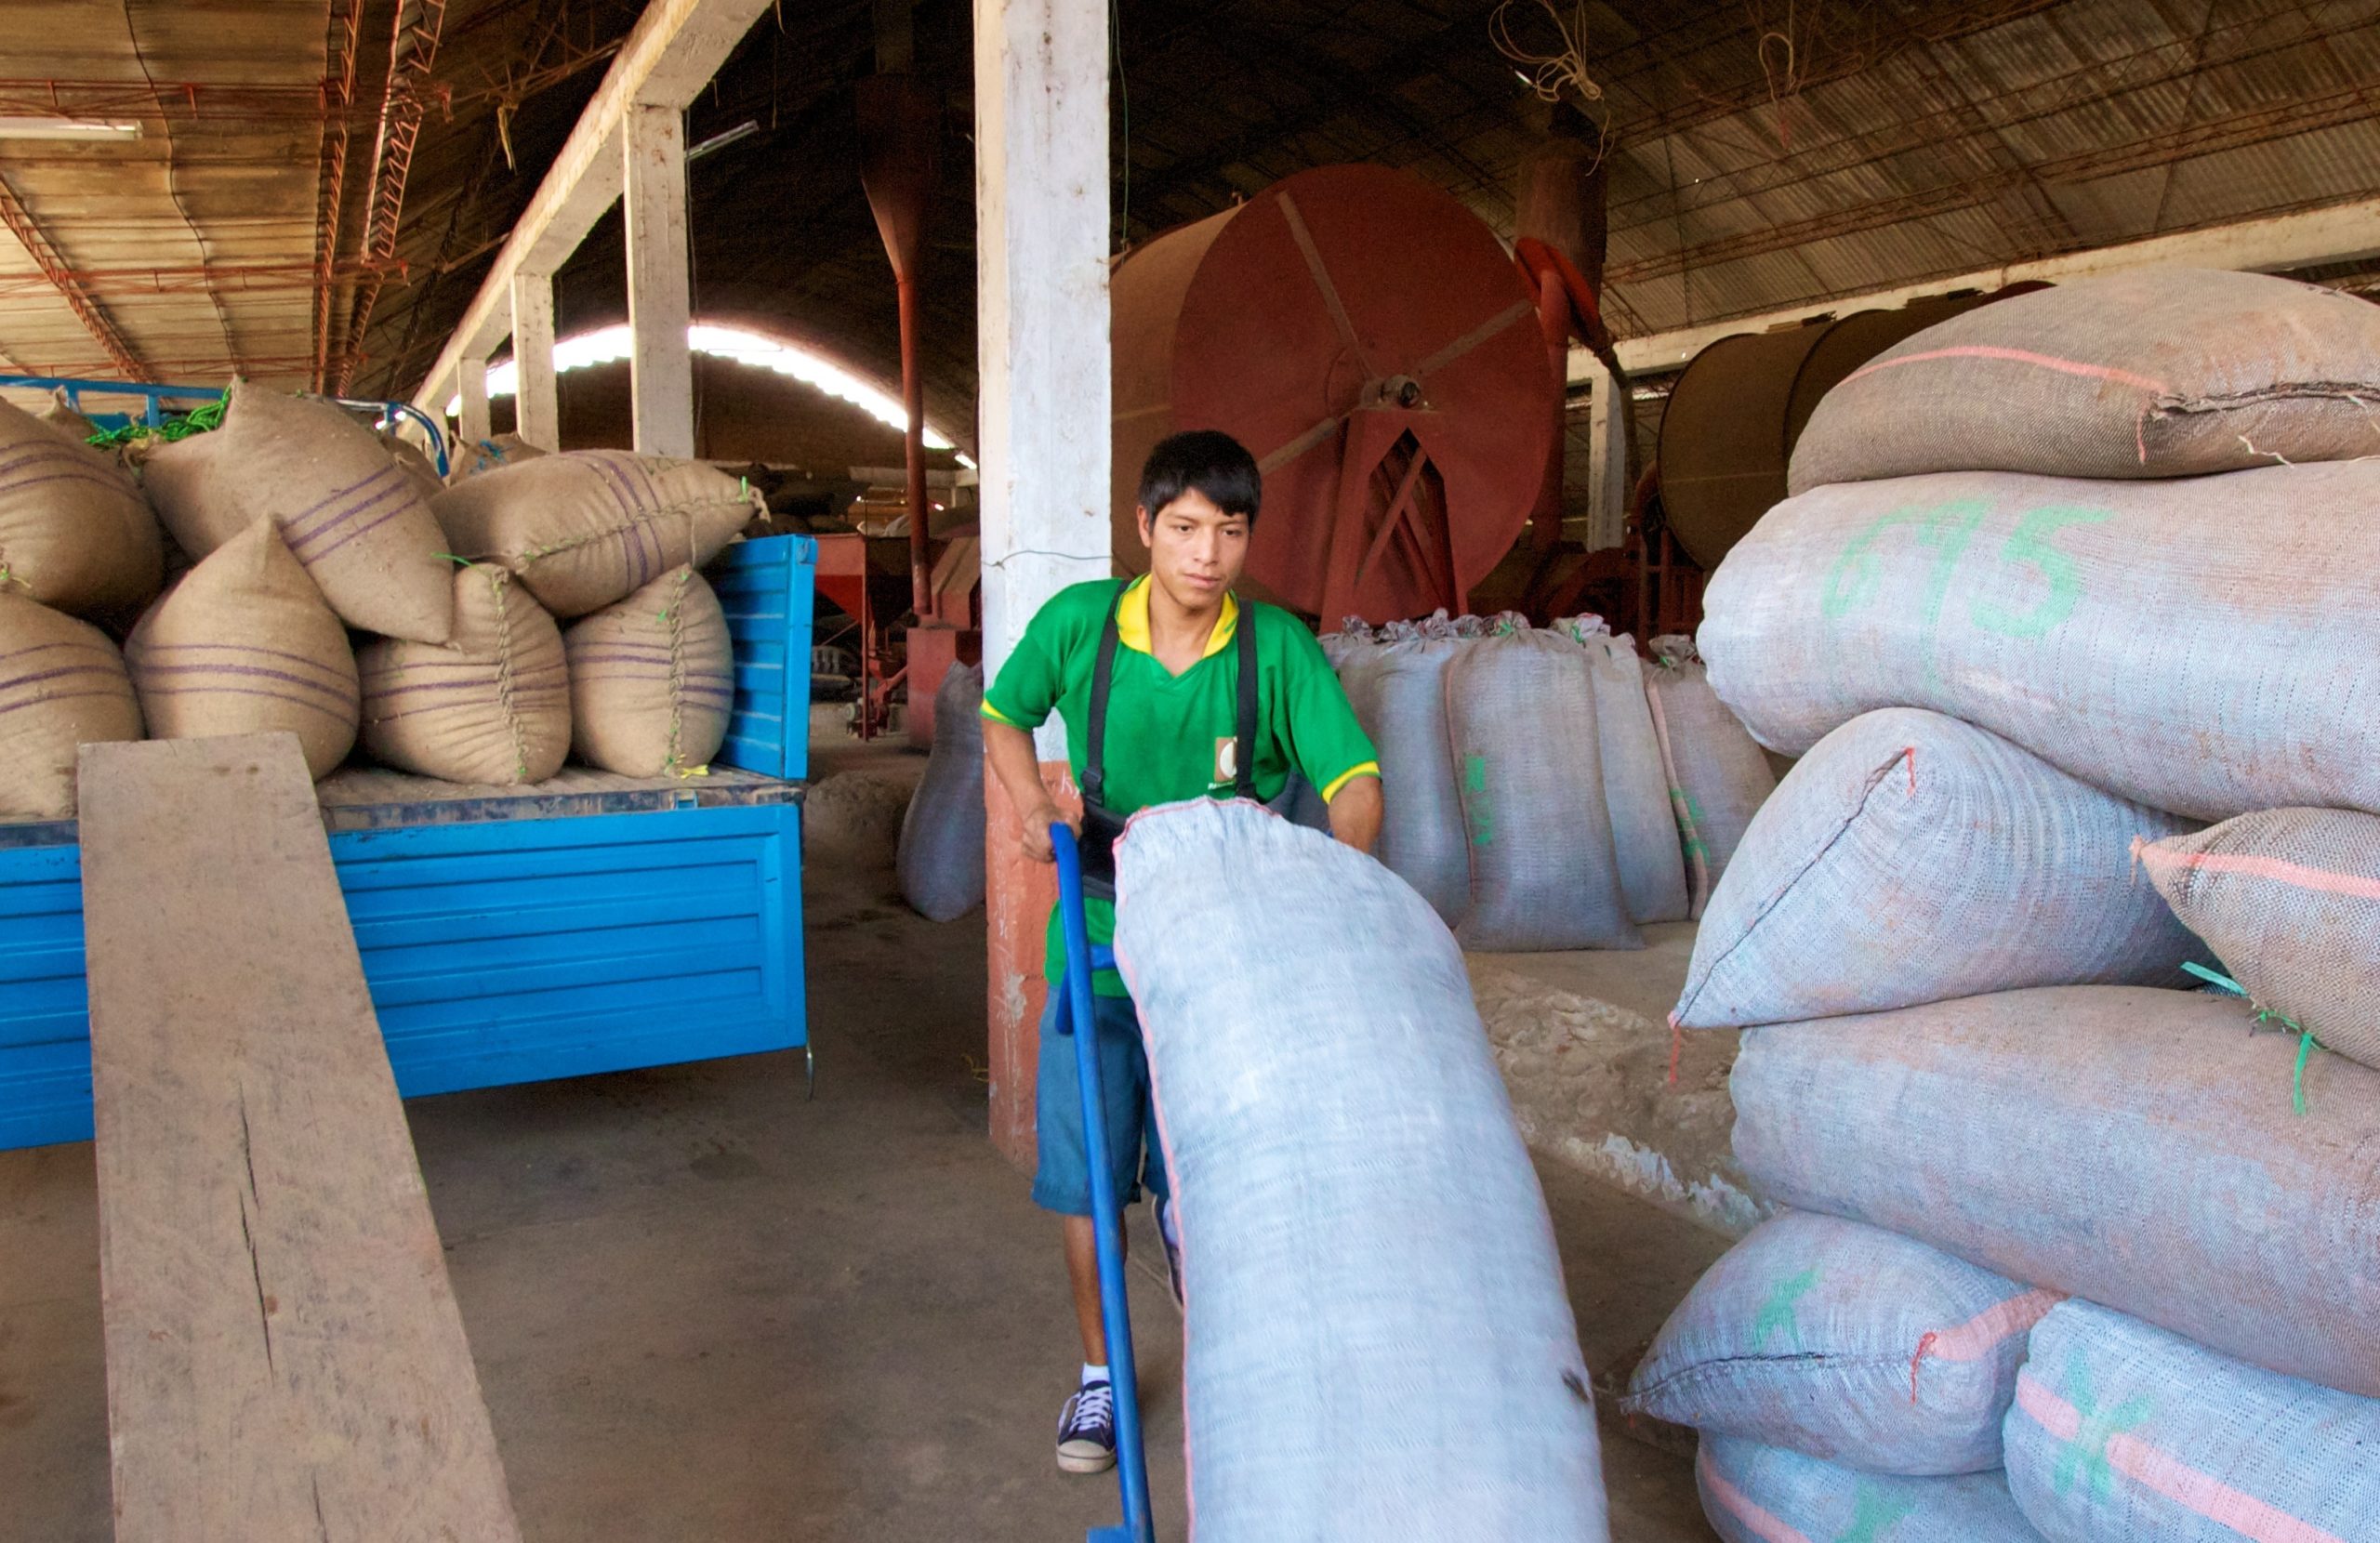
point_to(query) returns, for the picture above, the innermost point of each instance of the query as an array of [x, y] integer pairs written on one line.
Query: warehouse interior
[[1839, 524]]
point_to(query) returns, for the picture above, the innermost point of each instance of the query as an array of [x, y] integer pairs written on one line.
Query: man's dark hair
[[1205, 461]]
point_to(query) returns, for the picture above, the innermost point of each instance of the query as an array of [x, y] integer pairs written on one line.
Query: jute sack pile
[[2288, 898], [1755, 1494], [1845, 1342], [245, 644], [75, 531], [1718, 778], [2158, 372], [63, 416], [2207, 645], [1397, 687], [589, 527], [351, 515], [61, 684], [415, 462], [491, 706], [1911, 858], [1528, 765], [651, 679], [2124, 1433], [2135, 1147], [1645, 840], [497, 450]]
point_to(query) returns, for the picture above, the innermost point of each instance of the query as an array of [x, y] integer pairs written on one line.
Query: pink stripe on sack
[[1981, 1335], [2015, 356], [1772, 1529], [2198, 1493], [2295, 875]]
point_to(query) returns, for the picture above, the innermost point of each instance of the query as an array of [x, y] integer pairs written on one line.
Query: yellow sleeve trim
[[1368, 769], [988, 711]]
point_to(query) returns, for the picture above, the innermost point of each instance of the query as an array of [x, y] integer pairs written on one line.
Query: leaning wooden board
[[285, 1356]]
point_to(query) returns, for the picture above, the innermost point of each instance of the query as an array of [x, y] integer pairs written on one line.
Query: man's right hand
[[1036, 831]]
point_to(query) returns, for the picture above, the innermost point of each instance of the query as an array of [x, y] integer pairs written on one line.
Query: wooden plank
[[285, 1356]]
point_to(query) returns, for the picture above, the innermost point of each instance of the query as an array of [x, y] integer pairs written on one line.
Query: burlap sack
[[61, 684], [61, 416], [75, 531], [349, 513], [589, 527], [414, 463], [491, 706], [2288, 898], [470, 460], [245, 645], [2207, 645], [2165, 371], [651, 679]]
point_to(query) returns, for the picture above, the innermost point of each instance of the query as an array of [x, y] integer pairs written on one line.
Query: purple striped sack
[[2135, 1147], [651, 679], [62, 684], [1912, 858], [493, 706], [75, 531], [243, 644], [1845, 1342], [1755, 1494], [589, 527], [2124, 1433], [352, 517]]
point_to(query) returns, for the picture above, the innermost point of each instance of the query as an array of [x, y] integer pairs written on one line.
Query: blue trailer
[[587, 924]]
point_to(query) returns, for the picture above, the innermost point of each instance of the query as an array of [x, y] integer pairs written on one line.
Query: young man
[[1172, 723]]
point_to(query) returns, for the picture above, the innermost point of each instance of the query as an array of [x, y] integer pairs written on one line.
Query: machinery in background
[[1367, 337]]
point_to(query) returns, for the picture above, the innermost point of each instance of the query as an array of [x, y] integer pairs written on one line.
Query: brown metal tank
[[1367, 337], [1731, 422]]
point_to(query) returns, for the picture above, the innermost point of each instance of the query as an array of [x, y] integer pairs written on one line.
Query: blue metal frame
[[155, 397], [506, 950], [1075, 1012]]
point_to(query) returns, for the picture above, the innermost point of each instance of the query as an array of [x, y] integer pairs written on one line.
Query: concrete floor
[[706, 1310]]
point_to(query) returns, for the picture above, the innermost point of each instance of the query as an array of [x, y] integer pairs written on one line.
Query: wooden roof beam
[[671, 55]]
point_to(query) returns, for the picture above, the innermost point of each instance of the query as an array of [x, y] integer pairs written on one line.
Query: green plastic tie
[[2306, 1042]]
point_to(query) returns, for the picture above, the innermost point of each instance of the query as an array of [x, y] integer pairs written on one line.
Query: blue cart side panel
[[767, 589], [504, 951]]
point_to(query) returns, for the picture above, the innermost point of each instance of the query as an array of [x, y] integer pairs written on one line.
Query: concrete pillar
[[1041, 333], [471, 424], [537, 409], [661, 367], [1607, 489]]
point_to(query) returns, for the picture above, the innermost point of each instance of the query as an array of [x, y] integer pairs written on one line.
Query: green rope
[[2307, 1043], [198, 421]]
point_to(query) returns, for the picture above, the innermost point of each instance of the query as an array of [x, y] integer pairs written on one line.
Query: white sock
[[1166, 1224], [1091, 1374]]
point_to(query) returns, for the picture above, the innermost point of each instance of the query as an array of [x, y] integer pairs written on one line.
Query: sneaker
[[1164, 1234], [1087, 1430]]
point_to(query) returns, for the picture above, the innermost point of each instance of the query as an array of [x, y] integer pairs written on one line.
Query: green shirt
[[1170, 736]]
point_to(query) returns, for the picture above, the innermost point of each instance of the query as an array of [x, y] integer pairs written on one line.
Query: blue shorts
[[1062, 1181]]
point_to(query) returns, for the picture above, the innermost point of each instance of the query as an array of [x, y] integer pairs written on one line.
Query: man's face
[[1196, 550]]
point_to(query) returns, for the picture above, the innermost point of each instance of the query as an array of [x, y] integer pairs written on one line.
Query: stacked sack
[[304, 524], [1543, 787], [2070, 1252], [78, 544]]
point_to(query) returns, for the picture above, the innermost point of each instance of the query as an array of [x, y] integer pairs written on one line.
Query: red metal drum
[[1367, 337]]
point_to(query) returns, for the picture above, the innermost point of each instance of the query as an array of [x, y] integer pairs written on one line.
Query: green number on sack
[[1481, 814], [2028, 545], [1945, 529]]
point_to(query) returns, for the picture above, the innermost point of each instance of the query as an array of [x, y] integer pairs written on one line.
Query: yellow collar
[[1133, 621]]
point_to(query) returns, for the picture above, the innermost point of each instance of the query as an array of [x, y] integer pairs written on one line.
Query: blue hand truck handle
[[1107, 1218]]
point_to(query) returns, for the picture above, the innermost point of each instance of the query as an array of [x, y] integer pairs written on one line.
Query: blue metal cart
[[1107, 1216]]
